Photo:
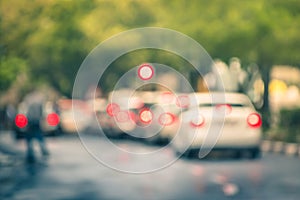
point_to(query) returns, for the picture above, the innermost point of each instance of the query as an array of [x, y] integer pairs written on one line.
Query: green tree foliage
[[10, 67], [53, 37]]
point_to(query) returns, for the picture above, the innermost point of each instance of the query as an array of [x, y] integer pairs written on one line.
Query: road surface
[[71, 172]]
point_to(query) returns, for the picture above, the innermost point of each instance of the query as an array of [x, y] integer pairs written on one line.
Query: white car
[[225, 121]]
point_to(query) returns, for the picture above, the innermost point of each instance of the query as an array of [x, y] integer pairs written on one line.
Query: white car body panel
[[220, 130]]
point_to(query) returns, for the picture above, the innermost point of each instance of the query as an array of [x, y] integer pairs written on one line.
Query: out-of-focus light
[[166, 119], [230, 189], [112, 109], [224, 108], [132, 116], [146, 116], [254, 120], [183, 101], [145, 72], [53, 119], [197, 121], [277, 86], [122, 116], [21, 120]]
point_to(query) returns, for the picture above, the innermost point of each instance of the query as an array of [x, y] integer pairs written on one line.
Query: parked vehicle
[[220, 121], [49, 122]]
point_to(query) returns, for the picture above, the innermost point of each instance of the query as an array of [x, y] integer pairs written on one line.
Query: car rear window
[[215, 104]]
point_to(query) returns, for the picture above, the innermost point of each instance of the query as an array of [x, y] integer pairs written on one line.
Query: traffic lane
[[71, 172]]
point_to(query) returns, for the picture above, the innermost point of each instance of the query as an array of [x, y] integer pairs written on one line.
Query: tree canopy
[[49, 39]]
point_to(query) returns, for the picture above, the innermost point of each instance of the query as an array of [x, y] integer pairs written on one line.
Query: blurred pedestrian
[[10, 116], [34, 114]]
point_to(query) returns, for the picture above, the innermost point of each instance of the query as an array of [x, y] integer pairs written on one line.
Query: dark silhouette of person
[[34, 115]]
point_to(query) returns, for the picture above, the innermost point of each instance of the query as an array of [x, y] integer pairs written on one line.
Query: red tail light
[[146, 116], [122, 116], [21, 121], [53, 119], [198, 122], [254, 120], [166, 119], [132, 116], [225, 108], [112, 109]]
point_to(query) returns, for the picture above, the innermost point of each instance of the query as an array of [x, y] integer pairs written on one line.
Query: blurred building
[[284, 87], [283, 90]]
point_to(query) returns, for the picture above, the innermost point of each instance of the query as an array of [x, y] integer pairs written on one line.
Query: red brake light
[[225, 108], [146, 116], [112, 109], [254, 120], [122, 116], [166, 119], [198, 122], [53, 119], [132, 116], [21, 120]]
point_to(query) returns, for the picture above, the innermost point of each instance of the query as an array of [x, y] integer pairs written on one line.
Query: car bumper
[[219, 139]]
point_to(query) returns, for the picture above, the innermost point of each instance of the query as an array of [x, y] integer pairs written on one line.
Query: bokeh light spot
[[21, 120], [145, 72]]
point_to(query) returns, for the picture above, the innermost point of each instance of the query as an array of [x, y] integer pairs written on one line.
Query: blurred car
[[226, 121], [75, 115], [49, 122], [151, 115], [165, 116], [98, 107], [119, 109]]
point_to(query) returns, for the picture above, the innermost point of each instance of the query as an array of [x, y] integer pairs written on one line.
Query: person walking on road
[[34, 115]]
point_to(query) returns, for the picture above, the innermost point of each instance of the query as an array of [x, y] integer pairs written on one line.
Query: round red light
[[197, 122], [125, 116], [145, 72], [21, 120], [224, 108], [112, 109], [254, 120], [166, 119], [146, 116], [53, 119], [132, 116], [122, 116]]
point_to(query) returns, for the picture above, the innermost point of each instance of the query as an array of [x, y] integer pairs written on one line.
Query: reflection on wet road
[[72, 173]]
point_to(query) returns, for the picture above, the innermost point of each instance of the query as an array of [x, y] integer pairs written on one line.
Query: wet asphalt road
[[71, 172]]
